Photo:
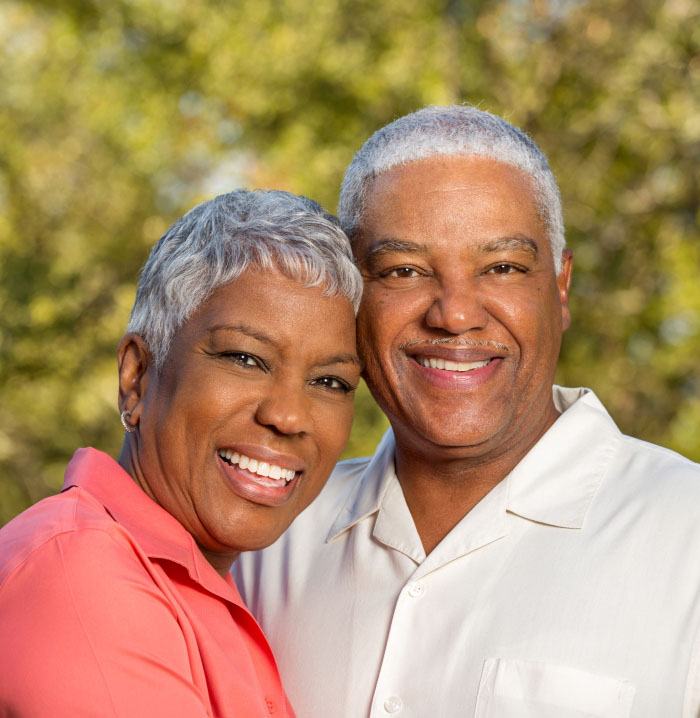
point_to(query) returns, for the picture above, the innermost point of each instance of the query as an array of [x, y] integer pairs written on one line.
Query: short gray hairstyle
[[215, 242], [452, 130]]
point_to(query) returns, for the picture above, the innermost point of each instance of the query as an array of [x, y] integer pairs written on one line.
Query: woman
[[236, 379]]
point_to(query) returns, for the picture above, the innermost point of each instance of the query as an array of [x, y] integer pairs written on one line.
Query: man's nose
[[457, 308], [285, 409]]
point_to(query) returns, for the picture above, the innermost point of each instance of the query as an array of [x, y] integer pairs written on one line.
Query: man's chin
[[450, 437]]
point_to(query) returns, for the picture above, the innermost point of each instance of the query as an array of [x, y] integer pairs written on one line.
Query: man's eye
[[505, 268], [333, 383], [401, 273]]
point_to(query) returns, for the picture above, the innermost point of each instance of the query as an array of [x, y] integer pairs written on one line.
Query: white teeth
[[260, 468], [434, 363]]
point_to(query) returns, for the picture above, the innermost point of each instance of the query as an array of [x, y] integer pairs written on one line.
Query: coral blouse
[[108, 608]]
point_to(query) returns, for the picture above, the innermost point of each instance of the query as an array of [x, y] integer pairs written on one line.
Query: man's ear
[[564, 284], [134, 361]]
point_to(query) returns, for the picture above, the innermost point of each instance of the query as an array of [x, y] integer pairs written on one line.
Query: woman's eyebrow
[[240, 328], [347, 358]]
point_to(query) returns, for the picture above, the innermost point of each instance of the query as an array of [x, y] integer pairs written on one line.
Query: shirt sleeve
[[85, 631]]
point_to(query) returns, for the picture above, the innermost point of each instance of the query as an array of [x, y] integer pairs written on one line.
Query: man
[[507, 551]]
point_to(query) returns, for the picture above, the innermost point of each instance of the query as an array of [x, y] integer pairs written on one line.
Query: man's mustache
[[461, 343]]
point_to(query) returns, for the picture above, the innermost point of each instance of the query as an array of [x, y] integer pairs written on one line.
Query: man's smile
[[456, 358], [447, 365]]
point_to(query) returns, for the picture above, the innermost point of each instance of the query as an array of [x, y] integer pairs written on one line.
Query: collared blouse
[[108, 608]]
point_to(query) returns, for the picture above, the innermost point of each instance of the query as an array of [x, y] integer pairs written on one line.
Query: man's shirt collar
[[546, 486], [366, 499], [556, 480]]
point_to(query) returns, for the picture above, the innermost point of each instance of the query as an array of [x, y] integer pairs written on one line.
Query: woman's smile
[[268, 480]]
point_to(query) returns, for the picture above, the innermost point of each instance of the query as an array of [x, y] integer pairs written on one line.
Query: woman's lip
[[263, 453], [248, 486]]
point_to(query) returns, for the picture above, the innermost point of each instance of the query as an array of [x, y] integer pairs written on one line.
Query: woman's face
[[240, 429]]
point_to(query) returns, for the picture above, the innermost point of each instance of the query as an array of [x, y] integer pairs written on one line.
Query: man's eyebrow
[[389, 245], [241, 328], [516, 241]]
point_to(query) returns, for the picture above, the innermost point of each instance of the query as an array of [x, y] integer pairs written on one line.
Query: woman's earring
[[125, 416]]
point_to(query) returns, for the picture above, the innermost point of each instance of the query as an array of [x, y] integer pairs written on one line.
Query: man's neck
[[441, 489]]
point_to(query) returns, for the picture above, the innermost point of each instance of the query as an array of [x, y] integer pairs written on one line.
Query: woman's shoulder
[[69, 519], [85, 627]]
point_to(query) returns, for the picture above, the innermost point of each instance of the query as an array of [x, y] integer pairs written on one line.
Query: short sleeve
[[85, 631]]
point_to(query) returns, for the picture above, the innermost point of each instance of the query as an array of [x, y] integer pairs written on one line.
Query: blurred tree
[[116, 117]]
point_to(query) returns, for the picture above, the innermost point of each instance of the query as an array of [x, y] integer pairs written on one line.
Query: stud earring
[[125, 416]]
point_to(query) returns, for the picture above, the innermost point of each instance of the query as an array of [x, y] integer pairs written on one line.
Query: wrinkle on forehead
[[458, 188]]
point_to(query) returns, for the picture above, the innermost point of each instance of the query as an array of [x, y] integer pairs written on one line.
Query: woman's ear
[[134, 361]]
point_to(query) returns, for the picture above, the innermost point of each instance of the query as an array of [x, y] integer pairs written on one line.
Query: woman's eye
[[243, 359], [333, 383]]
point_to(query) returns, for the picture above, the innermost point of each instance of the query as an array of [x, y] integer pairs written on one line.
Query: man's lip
[[264, 453], [454, 379], [455, 354]]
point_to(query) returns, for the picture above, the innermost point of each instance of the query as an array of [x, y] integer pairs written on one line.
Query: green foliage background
[[116, 117]]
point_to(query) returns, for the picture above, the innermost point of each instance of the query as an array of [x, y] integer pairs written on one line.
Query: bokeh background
[[115, 117]]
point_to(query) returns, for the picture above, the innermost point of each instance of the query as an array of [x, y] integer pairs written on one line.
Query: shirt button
[[416, 589], [393, 704]]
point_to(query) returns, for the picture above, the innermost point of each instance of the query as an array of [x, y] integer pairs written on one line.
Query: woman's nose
[[285, 410], [458, 308]]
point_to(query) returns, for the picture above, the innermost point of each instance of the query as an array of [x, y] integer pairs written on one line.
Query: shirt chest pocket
[[525, 689]]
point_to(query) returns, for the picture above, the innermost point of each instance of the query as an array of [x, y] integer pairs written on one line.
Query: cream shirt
[[571, 590]]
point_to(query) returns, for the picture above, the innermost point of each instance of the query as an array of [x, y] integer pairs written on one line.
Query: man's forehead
[[475, 200], [460, 168]]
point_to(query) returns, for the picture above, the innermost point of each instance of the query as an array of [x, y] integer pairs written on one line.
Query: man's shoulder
[[656, 478], [645, 468], [654, 461]]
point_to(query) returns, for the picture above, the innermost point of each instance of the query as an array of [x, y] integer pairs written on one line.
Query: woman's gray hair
[[449, 131], [215, 242]]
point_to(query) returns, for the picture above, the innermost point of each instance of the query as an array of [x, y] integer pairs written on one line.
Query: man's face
[[462, 315]]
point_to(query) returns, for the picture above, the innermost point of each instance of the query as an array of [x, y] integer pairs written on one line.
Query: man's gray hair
[[215, 242], [448, 131]]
